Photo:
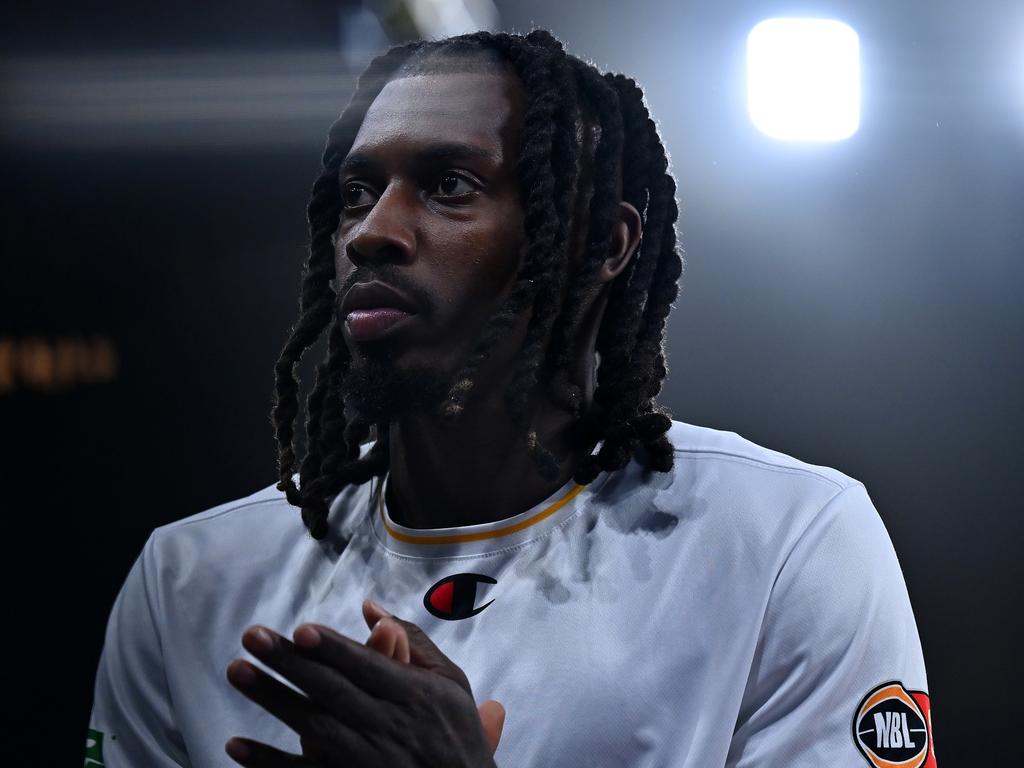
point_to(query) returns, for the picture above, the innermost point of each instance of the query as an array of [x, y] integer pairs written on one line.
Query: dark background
[[854, 304]]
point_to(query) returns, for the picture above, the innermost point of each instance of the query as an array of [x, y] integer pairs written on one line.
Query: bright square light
[[803, 79]]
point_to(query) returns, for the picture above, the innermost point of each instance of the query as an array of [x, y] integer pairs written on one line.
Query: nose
[[387, 231]]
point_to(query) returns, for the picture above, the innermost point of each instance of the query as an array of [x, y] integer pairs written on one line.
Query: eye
[[352, 195], [451, 184]]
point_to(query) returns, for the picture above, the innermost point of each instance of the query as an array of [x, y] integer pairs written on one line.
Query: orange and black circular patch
[[892, 727]]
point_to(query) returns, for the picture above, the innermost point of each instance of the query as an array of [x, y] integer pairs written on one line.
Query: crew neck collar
[[474, 540]]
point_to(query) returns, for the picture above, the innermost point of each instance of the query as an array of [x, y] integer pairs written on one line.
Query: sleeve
[[838, 675], [132, 721]]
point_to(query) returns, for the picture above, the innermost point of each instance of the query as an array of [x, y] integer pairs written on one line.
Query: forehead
[[479, 108]]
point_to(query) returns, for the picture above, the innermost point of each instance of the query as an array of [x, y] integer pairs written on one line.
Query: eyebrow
[[432, 154]]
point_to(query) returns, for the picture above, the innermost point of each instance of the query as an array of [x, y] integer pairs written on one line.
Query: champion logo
[[454, 597], [892, 727]]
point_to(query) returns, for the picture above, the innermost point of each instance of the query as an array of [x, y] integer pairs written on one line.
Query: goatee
[[378, 391]]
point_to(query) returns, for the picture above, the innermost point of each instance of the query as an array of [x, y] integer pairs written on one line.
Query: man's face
[[431, 207]]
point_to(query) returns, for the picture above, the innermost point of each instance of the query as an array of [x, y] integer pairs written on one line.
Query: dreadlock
[[563, 96]]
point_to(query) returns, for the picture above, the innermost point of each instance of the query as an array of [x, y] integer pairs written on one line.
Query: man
[[493, 259]]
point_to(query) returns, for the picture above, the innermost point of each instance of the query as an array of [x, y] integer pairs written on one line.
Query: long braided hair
[[560, 91]]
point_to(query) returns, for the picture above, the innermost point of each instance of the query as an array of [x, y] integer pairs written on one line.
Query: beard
[[376, 390]]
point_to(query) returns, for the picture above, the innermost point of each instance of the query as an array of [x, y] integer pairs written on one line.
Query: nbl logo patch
[[892, 727]]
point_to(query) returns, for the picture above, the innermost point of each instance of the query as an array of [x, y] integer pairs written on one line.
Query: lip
[[373, 323], [376, 295]]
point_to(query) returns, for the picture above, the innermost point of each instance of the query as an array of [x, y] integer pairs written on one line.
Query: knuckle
[[458, 677], [335, 693], [447, 690], [452, 680]]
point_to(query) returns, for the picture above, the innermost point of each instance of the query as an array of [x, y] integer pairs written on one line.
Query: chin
[[379, 388]]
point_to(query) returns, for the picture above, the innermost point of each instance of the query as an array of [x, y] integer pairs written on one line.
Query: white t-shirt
[[745, 609]]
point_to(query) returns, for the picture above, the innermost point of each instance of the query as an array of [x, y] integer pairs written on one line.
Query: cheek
[[478, 281], [468, 267], [486, 256]]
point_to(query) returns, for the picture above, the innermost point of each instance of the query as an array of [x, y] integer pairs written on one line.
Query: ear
[[625, 238]]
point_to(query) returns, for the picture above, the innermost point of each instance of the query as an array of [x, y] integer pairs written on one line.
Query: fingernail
[[378, 608], [307, 637], [260, 640], [243, 673]]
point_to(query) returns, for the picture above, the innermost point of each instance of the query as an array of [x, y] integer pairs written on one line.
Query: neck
[[477, 469]]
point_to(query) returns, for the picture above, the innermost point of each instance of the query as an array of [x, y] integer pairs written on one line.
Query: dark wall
[[855, 305], [188, 266]]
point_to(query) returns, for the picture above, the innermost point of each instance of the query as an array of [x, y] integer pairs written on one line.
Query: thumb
[[492, 718], [390, 639]]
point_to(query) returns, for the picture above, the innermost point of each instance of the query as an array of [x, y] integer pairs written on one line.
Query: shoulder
[[262, 521], [725, 479], [260, 503], [223, 544], [264, 515], [752, 485], [827, 546], [259, 528], [750, 503], [704, 449]]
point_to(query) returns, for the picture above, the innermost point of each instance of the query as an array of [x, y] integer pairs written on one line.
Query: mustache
[[389, 275]]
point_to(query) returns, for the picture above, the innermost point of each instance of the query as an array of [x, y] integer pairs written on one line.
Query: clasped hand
[[396, 701]]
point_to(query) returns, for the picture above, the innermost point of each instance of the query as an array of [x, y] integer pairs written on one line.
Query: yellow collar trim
[[463, 537]]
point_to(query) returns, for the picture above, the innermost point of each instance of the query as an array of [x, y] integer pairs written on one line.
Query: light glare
[[803, 79]]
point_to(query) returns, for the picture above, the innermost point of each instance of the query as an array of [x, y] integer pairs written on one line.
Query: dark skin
[[398, 700], [452, 226]]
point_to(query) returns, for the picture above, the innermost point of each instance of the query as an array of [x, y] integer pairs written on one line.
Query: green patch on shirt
[[94, 749]]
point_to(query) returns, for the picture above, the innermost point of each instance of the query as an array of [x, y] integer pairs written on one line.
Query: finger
[[252, 753], [492, 718], [373, 674], [423, 653], [325, 683], [287, 705], [372, 613], [382, 640], [402, 652], [390, 639], [307, 718]]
